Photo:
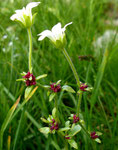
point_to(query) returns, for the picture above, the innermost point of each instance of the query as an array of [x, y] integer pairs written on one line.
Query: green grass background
[[90, 20]]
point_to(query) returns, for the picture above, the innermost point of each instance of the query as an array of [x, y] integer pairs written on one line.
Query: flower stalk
[[79, 103], [56, 106], [72, 66], [30, 49], [76, 77]]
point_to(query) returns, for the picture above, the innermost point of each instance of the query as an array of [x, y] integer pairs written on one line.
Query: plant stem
[[76, 77], [79, 103], [56, 106], [1, 140], [72, 66], [66, 145], [30, 49]]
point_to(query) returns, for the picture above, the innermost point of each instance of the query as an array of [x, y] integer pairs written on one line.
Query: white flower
[[56, 35], [5, 36], [24, 15], [10, 43]]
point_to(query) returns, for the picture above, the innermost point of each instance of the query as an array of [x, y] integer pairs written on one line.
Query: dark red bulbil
[[94, 135], [75, 119], [29, 81], [67, 137], [54, 125], [55, 88], [83, 87]]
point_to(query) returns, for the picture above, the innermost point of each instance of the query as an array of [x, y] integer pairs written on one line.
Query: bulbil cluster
[[94, 135], [55, 88], [75, 119], [54, 125], [30, 79], [83, 87]]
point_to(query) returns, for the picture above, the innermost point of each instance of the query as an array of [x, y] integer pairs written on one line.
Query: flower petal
[[56, 28], [13, 17], [32, 5], [57, 31], [44, 34], [64, 28]]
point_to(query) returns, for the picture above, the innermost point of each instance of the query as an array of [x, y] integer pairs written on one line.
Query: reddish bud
[[67, 137], [94, 135], [53, 121], [55, 88], [83, 87], [52, 127], [56, 126], [30, 79], [75, 119]]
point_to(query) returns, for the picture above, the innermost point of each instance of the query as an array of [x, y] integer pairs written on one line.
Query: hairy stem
[[79, 103], [72, 66], [30, 49]]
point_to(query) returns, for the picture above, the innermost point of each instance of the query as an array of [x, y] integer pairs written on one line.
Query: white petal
[[57, 31], [44, 34], [14, 16], [64, 28], [68, 24], [56, 28], [32, 5]]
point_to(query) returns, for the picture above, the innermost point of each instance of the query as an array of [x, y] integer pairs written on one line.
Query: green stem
[[72, 66], [56, 106], [30, 49], [1, 140], [66, 145], [79, 103], [75, 75]]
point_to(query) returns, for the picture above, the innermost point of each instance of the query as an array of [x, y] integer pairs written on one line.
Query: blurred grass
[[90, 20]]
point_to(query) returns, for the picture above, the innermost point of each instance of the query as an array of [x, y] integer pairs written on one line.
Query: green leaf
[[25, 101], [33, 18], [68, 89], [98, 140], [48, 93], [64, 129], [67, 123], [20, 79], [73, 131], [98, 133], [73, 143], [51, 97], [28, 91], [58, 82], [54, 112], [7, 121], [46, 86], [23, 73], [45, 130], [41, 76], [44, 120]]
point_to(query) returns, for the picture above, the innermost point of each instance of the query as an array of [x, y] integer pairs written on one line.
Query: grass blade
[[98, 80], [7, 121]]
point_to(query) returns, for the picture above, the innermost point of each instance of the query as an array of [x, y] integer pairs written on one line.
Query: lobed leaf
[[74, 130], [68, 89]]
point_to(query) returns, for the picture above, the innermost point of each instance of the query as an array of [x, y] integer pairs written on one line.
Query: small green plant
[[72, 125]]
